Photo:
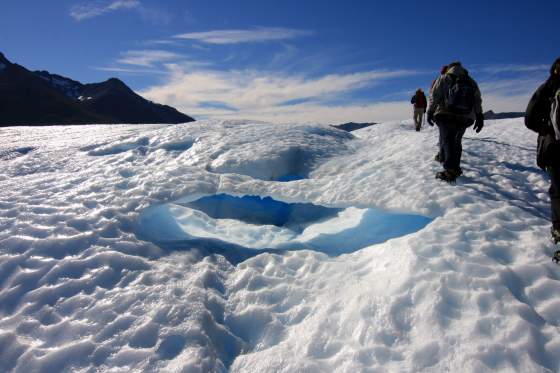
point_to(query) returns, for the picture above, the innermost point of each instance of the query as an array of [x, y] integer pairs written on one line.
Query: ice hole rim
[[375, 226]]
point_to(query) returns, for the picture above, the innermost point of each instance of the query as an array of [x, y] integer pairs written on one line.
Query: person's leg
[[447, 138], [450, 135], [441, 144], [457, 147], [417, 119], [439, 155]]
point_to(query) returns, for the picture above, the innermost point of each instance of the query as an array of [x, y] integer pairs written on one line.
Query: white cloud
[[260, 34], [513, 68], [96, 8], [292, 98], [197, 88], [254, 95], [147, 58], [150, 61], [509, 87], [508, 95], [126, 70], [328, 114]]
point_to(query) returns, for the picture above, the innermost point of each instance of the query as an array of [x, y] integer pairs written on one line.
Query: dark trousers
[[554, 193], [450, 146]]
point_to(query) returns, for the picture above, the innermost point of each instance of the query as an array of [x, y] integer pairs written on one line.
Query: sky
[[288, 61]]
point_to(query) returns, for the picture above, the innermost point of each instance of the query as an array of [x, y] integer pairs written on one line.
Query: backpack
[[420, 101], [460, 96], [555, 113]]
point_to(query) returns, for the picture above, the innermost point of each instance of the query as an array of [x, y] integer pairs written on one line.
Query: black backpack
[[460, 96]]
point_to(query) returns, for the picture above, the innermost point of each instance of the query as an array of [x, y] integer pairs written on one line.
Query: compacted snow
[[250, 247]]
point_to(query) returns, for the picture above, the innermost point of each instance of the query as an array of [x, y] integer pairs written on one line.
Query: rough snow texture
[[474, 291]]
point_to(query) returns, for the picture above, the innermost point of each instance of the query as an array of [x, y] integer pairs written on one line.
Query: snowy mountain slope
[[83, 287]]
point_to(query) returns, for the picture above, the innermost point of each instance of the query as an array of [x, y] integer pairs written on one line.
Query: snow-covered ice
[[99, 270]]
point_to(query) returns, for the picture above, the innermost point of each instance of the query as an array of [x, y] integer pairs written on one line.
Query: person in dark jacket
[[453, 114], [537, 118], [420, 104]]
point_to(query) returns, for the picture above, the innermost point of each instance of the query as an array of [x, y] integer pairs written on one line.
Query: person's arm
[[413, 99], [479, 116], [477, 100], [436, 98], [536, 118]]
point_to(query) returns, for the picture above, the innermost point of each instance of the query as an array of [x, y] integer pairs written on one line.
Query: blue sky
[[325, 61]]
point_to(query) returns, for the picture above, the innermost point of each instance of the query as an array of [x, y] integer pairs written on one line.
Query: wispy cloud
[[255, 35], [271, 96], [147, 58], [514, 68], [151, 62], [509, 87], [303, 94], [96, 8], [129, 71], [161, 42], [278, 97], [508, 94]]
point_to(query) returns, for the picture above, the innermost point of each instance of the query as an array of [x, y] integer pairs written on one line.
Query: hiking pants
[[554, 193], [450, 137], [418, 116]]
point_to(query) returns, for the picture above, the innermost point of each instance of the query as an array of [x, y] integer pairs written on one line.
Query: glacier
[[105, 264]]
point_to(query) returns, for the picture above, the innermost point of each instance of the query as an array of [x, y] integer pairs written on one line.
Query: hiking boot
[[448, 176], [555, 235]]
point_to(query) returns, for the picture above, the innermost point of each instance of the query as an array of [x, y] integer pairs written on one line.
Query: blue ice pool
[[254, 223]]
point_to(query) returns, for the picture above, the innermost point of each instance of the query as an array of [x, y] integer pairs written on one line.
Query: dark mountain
[[491, 115], [132, 108], [351, 126], [41, 98], [69, 87]]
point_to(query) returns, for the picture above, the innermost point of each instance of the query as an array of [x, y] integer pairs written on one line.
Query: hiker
[[455, 104], [420, 104], [541, 116]]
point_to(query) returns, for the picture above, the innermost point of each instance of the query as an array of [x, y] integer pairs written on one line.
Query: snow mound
[[297, 149], [7, 154], [83, 287]]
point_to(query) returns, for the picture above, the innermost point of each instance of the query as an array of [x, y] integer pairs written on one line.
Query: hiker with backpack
[[455, 104], [543, 116], [420, 103]]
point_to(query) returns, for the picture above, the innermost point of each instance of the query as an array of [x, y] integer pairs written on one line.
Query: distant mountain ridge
[[352, 126], [512, 115], [42, 98]]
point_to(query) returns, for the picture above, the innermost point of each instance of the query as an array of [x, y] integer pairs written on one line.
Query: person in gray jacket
[[455, 104]]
